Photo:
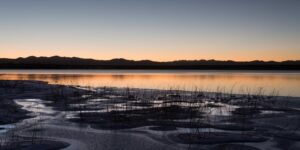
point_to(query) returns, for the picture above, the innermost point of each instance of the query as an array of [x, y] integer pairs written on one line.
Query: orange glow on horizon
[[163, 56]]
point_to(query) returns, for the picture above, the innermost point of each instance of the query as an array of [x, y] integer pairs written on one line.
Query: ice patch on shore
[[4, 128], [36, 106]]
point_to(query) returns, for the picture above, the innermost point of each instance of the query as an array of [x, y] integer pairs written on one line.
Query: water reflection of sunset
[[285, 83]]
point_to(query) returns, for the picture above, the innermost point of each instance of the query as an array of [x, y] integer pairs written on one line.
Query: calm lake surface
[[284, 83]]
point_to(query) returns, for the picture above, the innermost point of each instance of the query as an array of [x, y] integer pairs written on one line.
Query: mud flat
[[114, 118], [26, 144]]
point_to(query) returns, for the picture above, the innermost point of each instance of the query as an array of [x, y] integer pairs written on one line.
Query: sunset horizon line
[[153, 60]]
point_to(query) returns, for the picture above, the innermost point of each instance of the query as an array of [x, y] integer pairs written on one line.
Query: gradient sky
[[151, 29]]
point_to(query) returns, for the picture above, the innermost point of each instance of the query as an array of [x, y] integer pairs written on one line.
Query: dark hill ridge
[[57, 62]]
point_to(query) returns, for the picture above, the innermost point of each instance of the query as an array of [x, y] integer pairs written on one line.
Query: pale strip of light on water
[[284, 83]]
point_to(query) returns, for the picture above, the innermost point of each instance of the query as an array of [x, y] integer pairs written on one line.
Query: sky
[[160, 30]]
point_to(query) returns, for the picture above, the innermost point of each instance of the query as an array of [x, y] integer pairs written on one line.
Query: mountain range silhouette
[[57, 62]]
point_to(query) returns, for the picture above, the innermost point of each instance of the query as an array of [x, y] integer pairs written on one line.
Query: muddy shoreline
[[187, 119]]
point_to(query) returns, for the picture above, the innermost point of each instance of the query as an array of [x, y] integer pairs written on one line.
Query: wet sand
[[49, 121]]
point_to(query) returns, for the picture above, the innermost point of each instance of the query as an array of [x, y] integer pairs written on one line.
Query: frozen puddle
[[38, 110], [6, 127], [36, 106]]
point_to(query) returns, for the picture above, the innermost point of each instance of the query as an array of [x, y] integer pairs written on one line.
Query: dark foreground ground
[[36, 115]]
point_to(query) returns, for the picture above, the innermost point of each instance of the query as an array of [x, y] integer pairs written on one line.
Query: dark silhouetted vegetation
[[57, 62]]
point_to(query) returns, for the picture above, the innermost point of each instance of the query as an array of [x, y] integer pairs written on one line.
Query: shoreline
[[169, 106]]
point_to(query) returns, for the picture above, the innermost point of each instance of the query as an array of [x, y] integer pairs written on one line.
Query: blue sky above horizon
[[151, 29]]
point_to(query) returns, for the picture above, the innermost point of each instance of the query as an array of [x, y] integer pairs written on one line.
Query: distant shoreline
[[57, 62], [261, 68], [78, 71]]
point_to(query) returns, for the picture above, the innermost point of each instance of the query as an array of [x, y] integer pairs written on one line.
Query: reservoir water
[[284, 83]]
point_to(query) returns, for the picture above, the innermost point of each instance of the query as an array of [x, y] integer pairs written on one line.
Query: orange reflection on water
[[287, 84]]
